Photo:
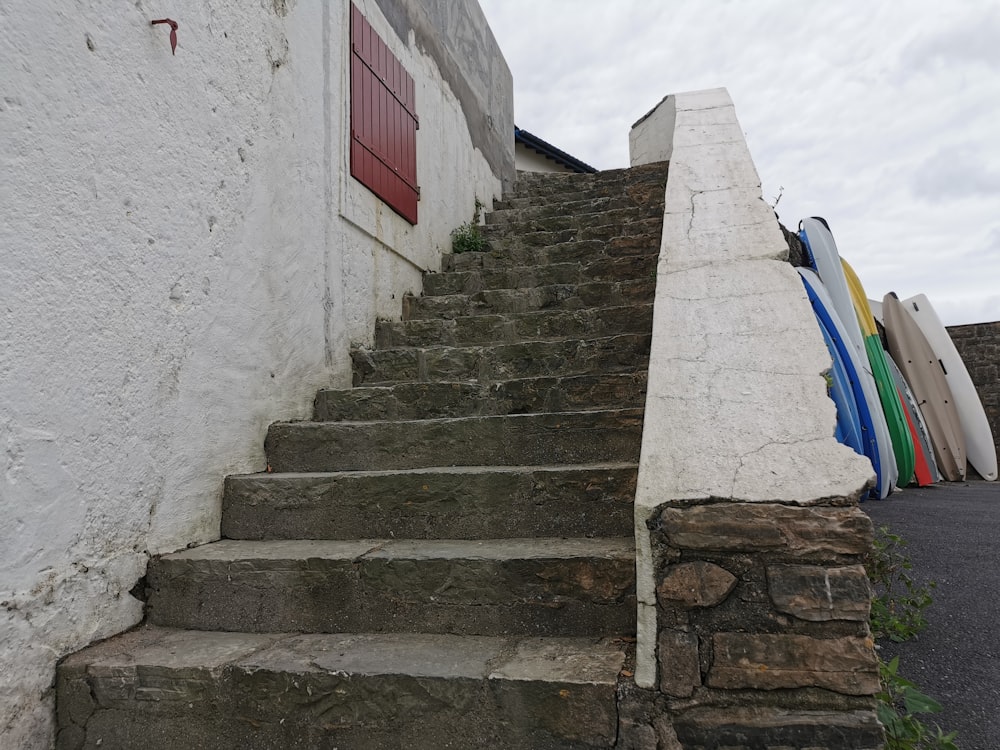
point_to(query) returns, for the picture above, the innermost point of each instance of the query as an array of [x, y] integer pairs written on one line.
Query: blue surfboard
[[829, 321]]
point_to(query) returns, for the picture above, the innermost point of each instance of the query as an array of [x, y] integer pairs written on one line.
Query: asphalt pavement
[[952, 532]]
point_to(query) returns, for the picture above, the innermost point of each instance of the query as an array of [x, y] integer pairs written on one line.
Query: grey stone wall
[[764, 638], [979, 346]]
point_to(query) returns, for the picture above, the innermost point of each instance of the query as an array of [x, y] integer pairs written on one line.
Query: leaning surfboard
[[980, 447], [848, 356], [925, 467], [821, 250], [841, 382], [892, 407], [920, 367]]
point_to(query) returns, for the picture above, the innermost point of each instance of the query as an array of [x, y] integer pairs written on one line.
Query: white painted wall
[[183, 260], [736, 404], [527, 160]]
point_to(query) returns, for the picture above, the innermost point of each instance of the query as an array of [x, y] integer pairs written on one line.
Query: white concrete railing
[[735, 405]]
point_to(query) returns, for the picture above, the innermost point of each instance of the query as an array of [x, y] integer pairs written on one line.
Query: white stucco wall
[[527, 160], [736, 403], [183, 260]]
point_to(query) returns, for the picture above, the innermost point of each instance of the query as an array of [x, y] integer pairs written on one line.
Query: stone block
[[680, 672], [819, 594], [753, 728], [769, 527], [771, 662], [695, 584]]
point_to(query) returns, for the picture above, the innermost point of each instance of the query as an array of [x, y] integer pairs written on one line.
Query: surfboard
[[840, 387], [892, 407], [920, 367], [821, 250], [921, 437], [979, 444], [848, 356]]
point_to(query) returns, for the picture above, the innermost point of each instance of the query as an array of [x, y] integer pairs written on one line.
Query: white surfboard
[[979, 445]]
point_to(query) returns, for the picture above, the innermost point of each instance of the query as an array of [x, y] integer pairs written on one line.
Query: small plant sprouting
[[897, 613], [898, 702], [467, 238], [899, 602]]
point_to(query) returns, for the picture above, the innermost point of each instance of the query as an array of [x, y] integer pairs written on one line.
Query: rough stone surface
[[468, 399], [770, 662], [515, 440], [979, 347], [366, 691], [696, 584], [442, 503], [794, 532], [485, 587], [812, 592], [680, 670], [777, 729]]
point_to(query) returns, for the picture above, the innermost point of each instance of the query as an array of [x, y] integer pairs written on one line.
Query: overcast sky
[[883, 117]]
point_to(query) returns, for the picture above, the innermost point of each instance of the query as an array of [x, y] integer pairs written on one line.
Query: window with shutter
[[383, 121]]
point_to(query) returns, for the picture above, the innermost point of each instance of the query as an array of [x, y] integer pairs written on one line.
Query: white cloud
[[880, 117]]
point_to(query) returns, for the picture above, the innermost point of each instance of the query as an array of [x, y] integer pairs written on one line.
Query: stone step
[[521, 221], [584, 203], [537, 586], [509, 254], [647, 193], [588, 269], [463, 399], [552, 297], [512, 440], [497, 236], [538, 325], [487, 364], [473, 502], [163, 689], [536, 184]]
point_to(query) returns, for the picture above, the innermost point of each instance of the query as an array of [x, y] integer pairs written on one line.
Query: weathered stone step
[[530, 326], [511, 440], [537, 586], [497, 236], [552, 297], [647, 193], [163, 689], [522, 221], [474, 502], [487, 364], [536, 184], [584, 203], [463, 399], [603, 268], [508, 254]]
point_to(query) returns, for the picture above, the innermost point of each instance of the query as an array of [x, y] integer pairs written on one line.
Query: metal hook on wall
[[173, 32]]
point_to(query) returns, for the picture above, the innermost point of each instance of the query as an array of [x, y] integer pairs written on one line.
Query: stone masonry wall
[[979, 346]]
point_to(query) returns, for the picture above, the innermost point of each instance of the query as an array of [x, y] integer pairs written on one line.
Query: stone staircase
[[444, 557]]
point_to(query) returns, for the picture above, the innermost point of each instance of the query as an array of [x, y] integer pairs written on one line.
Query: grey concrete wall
[[456, 36]]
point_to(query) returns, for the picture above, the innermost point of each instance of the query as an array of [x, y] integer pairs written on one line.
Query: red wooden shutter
[[383, 121]]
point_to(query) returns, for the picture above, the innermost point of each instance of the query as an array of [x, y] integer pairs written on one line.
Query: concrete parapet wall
[[746, 503]]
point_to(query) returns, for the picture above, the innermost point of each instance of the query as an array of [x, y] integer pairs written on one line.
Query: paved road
[[953, 535]]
